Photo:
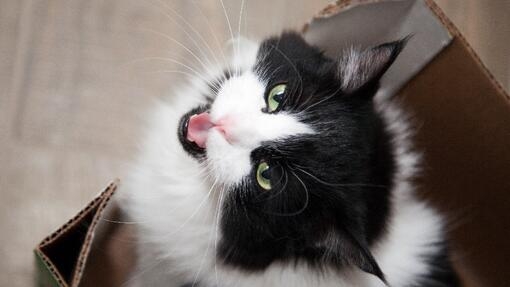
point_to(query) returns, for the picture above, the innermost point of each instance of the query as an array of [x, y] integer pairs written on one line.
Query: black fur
[[331, 192], [442, 273]]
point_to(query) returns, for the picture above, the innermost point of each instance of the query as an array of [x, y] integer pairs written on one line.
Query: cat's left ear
[[356, 252], [362, 69]]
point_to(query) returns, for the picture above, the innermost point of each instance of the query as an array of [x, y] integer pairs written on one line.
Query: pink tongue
[[198, 127]]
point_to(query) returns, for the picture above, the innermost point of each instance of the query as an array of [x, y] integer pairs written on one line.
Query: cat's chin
[[190, 147]]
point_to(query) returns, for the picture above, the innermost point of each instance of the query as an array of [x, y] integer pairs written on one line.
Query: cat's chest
[[195, 246], [192, 242], [289, 274]]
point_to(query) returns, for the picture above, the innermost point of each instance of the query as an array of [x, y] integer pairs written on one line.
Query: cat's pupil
[[278, 97], [266, 174]]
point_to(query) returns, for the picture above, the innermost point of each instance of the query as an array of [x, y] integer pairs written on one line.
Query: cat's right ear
[[362, 69]]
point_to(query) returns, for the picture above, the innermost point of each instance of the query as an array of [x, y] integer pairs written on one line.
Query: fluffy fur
[[342, 212]]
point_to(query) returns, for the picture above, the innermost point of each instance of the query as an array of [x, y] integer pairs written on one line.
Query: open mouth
[[195, 149]]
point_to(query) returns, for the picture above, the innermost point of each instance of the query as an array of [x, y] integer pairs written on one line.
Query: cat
[[284, 169]]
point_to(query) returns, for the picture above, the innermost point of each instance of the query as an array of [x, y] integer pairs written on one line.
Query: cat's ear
[[355, 252], [360, 69]]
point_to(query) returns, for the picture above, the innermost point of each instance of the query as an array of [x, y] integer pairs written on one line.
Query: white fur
[[174, 199], [240, 103], [357, 66], [348, 68]]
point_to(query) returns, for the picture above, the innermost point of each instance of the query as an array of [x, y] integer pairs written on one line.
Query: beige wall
[[75, 80]]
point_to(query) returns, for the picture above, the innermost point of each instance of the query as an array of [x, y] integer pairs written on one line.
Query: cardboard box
[[463, 116]]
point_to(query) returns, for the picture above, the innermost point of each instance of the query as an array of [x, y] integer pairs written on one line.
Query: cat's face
[[303, 160]]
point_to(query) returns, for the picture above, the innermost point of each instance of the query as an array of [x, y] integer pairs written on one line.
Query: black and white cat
[[283, 170]]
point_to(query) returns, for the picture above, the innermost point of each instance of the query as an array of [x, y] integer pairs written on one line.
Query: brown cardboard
[[463, 116], [463, 120], [464, 137], [112, 254], [61, 257]]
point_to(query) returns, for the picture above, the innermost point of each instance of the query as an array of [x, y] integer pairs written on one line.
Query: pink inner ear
[[198, 128]]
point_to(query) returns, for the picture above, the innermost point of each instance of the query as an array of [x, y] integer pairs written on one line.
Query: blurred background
[[77, 76]]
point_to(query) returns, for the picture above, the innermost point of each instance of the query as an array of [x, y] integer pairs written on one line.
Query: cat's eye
[[263, 176], [275, 97]]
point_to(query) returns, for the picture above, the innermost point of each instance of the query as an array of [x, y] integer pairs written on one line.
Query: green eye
[[262, 176], [275, 97]]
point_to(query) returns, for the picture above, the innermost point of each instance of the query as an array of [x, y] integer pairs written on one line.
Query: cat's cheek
[[228, 163]]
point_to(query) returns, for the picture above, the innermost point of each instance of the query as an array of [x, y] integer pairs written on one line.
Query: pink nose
[[199, 126]]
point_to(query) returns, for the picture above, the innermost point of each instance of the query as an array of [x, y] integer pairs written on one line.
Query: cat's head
[[303, 159]]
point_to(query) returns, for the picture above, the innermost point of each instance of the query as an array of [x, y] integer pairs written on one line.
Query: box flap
[[377, 23], [61, 256], [112, 253]]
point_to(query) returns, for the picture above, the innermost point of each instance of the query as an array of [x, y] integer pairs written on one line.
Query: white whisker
[[337, 184], [228, 23], [213, 33], [217, 226], [191, 69], [180, 44], [197, 274], [201, 38], [239, 32]]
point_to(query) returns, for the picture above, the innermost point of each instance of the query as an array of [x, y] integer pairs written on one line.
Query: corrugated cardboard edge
[[82, 259], [342, 5], [455, 31], [48, 275], [100, 202]]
